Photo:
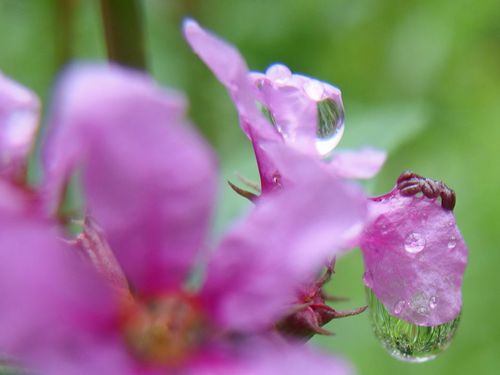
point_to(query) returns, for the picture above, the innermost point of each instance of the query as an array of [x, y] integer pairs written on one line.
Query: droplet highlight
[[406, 341], [330, 127], [433, 302], [414, 243], [452, 243], [399, 306]]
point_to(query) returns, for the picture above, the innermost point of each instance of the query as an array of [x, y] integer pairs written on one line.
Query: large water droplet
[[406, 341], [330, 126], [414, 243]]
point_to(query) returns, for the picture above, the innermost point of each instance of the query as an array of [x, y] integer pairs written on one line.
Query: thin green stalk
[[122, 20]]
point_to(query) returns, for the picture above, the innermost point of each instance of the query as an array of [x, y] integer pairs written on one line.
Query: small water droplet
[[368, 278], [330, 126], [414, 243], [433, 302], [278, 72], [452, 242], [399, 306], [314, 89], [406, 341], [276, 179]]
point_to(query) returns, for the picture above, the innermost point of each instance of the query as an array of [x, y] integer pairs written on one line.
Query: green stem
[[124, 32]]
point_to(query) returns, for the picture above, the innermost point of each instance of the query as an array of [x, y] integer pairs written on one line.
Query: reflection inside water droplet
[[330, 126], [414, 243], [406, 341], [266, 112]]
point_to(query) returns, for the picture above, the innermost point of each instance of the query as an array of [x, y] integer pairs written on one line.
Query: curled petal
[[415, 259], [231, 70], [364, 163], [148, 177], [19, 115], [260, 264], [290, 101]]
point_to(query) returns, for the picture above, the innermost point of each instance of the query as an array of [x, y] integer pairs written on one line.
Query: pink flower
[[414, 254], [19, 113], [149, 181], [303, 113], [296, 108]]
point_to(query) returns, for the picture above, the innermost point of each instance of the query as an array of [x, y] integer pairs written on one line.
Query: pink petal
[[264, 357], [148, 177], [415, 257], [52, 309], [19, 113], [364, 163], [231, 70], [106, 357], [253, 277]]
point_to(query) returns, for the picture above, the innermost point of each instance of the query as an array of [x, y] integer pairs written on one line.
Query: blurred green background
[[420, 79]]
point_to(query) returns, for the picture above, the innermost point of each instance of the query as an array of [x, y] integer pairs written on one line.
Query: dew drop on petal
[[414, 243], [276, 179], [452, 242], [330, 126], [399, 306], [406, 341], [278, 72], [433, 302]]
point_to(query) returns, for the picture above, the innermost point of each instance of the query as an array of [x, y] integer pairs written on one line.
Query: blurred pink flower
[[149, 181], [305, 114]]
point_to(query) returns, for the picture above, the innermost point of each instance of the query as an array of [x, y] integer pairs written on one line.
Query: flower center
[[162, 330]]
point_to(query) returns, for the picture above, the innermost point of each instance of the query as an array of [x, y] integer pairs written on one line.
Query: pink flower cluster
[[117, 298]]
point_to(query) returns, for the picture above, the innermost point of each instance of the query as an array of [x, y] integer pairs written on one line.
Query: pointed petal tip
[[190, 26]]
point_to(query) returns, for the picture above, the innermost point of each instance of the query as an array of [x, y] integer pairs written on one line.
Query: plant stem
[[124, 32]]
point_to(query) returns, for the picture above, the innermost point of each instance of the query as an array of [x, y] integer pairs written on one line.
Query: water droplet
[[314, 89], [406, 341], [330, 126], [276, 179], [452, 242], [368, 278], [399, 306], [433, 302], [279, 72], [414, 243]]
